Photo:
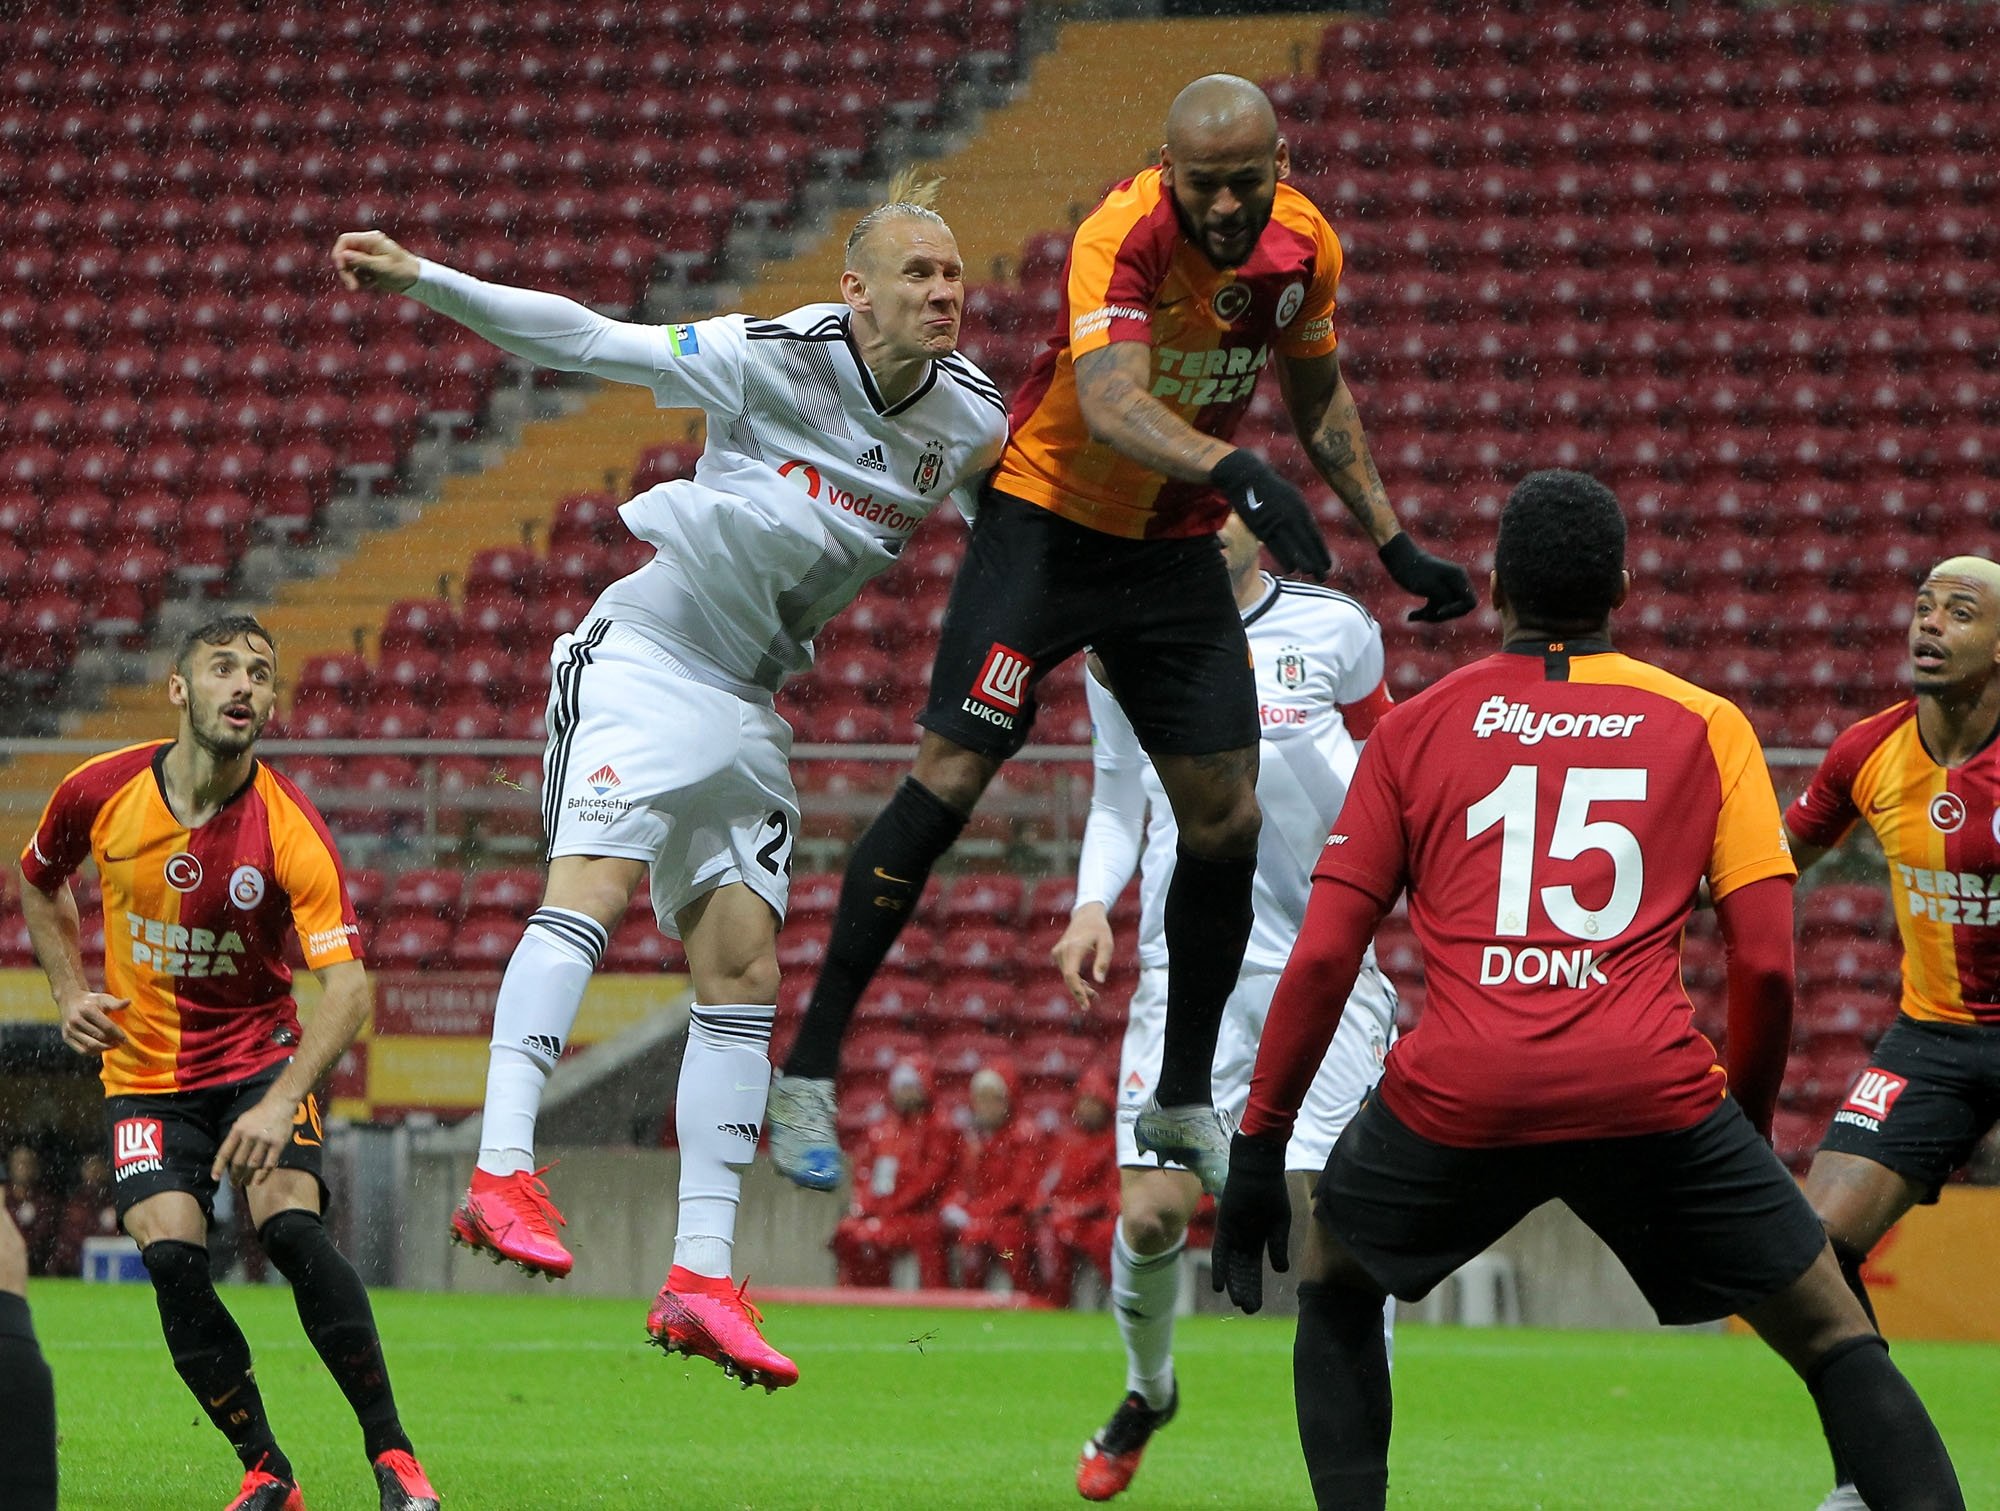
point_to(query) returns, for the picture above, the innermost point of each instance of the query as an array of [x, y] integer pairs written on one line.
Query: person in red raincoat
[[900, 1179]]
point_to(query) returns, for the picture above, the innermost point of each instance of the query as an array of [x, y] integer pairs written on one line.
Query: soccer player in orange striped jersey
[[1098, 529], [1925, 775], [211, 862]]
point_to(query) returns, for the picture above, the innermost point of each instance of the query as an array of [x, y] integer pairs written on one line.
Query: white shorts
[[648, 763], [1352, 1065]]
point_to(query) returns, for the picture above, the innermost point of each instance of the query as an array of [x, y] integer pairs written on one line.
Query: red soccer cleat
[[508, 1217], [1110, 1459], [266, 1492], [711, 1319], [404, 1487]]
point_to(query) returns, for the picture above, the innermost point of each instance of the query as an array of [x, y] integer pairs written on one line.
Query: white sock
[[539, 997], [718, 1113], [1145, 1288]]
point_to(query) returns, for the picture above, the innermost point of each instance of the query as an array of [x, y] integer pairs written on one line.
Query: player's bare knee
[[598, 886], [951, 773], [1153, 1229], [752, 979]]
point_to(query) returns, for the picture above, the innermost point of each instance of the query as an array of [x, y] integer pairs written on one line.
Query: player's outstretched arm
[[547, 329], [1329, 426], [55, 930], [259, 1136]]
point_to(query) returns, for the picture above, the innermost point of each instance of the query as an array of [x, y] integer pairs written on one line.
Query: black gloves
[[1275, 511], [1255, 1213], [1443, 585]]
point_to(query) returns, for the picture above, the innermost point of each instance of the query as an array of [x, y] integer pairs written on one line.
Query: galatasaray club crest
[[1291, 668], [929, 467]]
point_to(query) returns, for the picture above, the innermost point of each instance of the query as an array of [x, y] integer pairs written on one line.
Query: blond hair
[[1974, 568], [912, 192]]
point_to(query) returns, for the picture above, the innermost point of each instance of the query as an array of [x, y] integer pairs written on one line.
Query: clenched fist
[[370, 260]]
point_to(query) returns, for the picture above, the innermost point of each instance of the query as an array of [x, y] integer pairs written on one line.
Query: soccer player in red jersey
[[211, 863], [1551, 812], [1925, 775]]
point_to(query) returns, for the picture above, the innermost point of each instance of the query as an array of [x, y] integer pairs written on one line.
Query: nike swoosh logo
[[741, 1087], [225, 1397], [1172, 303], [901, 881], [119, 860], [1884, 807], [1251, 501]]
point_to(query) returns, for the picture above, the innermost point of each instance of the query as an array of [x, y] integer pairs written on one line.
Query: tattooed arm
[[1328, 425], [1111, 385]]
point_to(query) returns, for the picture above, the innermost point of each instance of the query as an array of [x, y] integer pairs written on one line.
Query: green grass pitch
[[546, 1402]]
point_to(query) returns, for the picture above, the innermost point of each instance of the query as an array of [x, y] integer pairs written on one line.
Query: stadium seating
[[169, 324]]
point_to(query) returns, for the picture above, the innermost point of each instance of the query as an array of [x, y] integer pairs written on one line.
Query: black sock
[[885, 878], [27, 1413], [1207, 926], [1850, 1261], [209, 1352], [1881, 1430], [333, 1305], [1340, 1378]]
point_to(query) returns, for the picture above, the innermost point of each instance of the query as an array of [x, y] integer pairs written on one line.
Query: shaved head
[[1219, 111], [1222, 161], [1969, 569]]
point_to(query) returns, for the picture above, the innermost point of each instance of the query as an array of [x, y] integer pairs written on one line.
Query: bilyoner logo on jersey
[[135, 1147]]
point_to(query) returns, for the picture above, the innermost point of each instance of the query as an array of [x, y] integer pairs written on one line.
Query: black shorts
[[1035, 589], [1705, 1219], [1930, 1093], [167, 1141]]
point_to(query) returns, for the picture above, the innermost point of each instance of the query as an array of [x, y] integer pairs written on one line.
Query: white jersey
[[808, 486], [1313, 650]]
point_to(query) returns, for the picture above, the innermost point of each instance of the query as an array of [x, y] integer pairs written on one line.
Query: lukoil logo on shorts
[[1003, 680], [135, 1146], [1875, 1092]]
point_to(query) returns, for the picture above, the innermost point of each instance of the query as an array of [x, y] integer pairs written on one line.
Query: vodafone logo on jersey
[[135, 1146], [862, 506]]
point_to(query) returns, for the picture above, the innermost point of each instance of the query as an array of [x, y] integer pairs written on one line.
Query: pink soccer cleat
[[711, 1319], [509, 1217], [266, 1492]]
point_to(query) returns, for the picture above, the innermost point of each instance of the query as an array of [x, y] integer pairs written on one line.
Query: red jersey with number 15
[[1551, 813], [196, 920]]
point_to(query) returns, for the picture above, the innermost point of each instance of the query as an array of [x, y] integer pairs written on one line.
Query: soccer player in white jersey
[[832, 432], [1317, 656]]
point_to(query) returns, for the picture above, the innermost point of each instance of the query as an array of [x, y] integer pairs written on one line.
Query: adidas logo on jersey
[[1497, 716], [873, 460], [740, 1130]]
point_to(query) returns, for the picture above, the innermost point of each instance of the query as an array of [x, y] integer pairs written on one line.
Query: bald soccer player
[[1925, 773], [1098, 529]]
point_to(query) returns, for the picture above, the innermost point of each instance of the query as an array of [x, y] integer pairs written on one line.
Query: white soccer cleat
[[1190, 1136], [799, 1117], [1843, 1498]]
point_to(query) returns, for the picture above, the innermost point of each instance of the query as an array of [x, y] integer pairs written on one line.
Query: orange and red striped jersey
[[1132, 275], [196, 920], [1940, 831]]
